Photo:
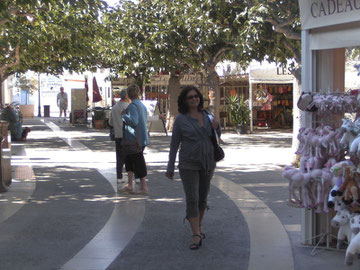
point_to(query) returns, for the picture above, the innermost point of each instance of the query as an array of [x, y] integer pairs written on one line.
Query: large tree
[[48, 36], [213, 30], [142, 39], [276, 27]]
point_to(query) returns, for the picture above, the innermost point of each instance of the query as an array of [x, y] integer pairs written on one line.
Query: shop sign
[[321, 13], [50, 85], [271, 74], [160, 80], [283, 71], [190, 79]]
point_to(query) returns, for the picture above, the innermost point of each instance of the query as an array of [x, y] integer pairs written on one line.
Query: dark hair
[[182, 104], [133, 91]]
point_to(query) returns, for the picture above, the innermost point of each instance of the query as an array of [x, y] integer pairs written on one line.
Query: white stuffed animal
[[332, 197], [354, 151], [341, 221], [354, 224], [352, 250], [350, 132]]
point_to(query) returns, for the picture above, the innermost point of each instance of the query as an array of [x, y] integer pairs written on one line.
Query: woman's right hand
[[170, 175]]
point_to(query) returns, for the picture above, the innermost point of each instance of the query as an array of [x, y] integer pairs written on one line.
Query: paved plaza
[[63, 212]]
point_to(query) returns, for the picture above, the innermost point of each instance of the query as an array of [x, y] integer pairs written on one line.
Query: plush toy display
[[329, 173], [328, 103]]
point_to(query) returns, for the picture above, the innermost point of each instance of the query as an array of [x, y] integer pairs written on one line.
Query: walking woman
[[192, 132]]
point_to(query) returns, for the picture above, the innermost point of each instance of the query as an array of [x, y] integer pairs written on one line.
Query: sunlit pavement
[[71, 196]]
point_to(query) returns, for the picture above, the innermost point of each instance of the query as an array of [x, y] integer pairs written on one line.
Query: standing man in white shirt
[[62, 102], [115, 120]]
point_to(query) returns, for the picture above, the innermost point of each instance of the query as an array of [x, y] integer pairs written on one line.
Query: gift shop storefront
[[329, 28], [271, 91]]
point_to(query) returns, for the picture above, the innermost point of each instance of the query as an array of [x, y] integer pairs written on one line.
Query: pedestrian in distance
[[62, 102], [115, 120], [135, 118], [192, 132]]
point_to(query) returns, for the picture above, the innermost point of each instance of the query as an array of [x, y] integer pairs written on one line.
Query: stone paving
[[63, 212]]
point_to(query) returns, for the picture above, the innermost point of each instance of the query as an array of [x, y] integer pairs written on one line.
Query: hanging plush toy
[[354, 224], [349, 188], [341, 221], [352, 250]]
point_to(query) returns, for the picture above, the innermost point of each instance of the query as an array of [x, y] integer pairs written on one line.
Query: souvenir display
[[274, 100], [329, 173]]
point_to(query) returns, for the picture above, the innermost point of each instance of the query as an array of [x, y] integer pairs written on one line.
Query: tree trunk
[[213, 81], [174, 90]]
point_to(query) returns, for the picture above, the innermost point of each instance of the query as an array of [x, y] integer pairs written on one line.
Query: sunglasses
[[191, 97]]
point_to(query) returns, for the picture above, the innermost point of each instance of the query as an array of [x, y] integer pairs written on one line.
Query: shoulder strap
[[209, 115]]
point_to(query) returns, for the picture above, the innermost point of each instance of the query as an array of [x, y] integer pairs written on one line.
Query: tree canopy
[[277, 28], [48, 36]]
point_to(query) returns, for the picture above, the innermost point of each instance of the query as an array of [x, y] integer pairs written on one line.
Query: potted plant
[[239, 113], [99, 118]]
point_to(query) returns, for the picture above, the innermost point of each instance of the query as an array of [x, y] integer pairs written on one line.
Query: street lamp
[[39, 108]]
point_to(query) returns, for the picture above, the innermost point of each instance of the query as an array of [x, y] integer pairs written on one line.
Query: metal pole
[[39, 108]]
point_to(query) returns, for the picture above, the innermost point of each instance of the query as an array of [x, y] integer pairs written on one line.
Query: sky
[[114, 2]]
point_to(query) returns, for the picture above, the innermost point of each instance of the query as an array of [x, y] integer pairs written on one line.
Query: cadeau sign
[[321, 13]]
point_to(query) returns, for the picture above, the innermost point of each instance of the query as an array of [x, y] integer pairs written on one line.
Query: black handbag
[[130, 147], [219, 153]]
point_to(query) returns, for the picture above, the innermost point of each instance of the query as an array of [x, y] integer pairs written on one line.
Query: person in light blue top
[[135, 118]]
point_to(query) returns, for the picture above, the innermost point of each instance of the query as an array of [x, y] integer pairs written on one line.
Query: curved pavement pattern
[[242, 232]]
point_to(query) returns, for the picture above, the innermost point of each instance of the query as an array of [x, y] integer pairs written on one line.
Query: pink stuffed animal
[[301, 139], [295, 186], [329, 141], [299, 188]]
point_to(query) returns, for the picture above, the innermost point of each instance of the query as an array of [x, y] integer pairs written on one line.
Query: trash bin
[[46, 110]]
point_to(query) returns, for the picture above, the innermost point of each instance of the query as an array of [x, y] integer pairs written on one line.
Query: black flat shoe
[[196, 245]]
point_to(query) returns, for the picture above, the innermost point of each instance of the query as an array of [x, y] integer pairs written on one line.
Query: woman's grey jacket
[[196, 149]]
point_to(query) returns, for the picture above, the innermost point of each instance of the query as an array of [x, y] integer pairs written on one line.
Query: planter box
[[27, 111], [99, 124], [242, 129]]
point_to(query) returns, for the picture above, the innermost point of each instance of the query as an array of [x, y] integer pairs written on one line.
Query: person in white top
[[62, 102], [115, 120]]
